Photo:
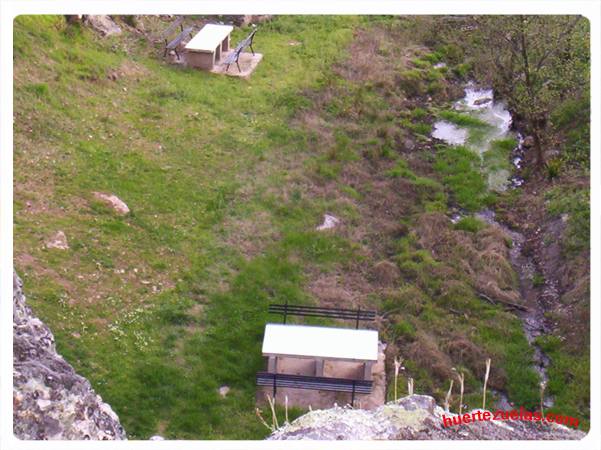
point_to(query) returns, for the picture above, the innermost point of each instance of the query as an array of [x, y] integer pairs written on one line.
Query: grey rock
[[58, 241], [102, 24], [415, 417], [51, 401], [113, 202]]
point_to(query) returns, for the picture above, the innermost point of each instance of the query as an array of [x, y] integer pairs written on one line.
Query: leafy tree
[[535, 62]]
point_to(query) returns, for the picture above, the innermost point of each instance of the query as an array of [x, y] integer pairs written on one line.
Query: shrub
[[554, 167], [462, 70]]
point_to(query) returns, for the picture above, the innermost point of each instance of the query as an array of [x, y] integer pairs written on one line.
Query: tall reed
[[448, 397], [485, 382]]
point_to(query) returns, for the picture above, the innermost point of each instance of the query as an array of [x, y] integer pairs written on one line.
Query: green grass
[[463, 119], [574, 202], [569, 379], [178, 146], [497, 157], [161, 307], [470, 223], [461, 175]]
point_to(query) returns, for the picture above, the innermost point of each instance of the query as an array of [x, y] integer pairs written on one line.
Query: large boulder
[[50, 400], [104, 25], [415, 417]]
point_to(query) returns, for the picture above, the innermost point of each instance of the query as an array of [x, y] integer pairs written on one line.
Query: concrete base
[[247, 61], [204, 61], [304, 398]]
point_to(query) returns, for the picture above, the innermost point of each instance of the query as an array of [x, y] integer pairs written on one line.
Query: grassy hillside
[[226, 180], [198, 159]]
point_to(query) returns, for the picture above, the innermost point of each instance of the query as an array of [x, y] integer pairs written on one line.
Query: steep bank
[[50, 400]]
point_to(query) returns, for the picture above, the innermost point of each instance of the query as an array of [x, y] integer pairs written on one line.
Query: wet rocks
[[58, 241], [415, 417], [50, 400], [482, 101], [113, 202]]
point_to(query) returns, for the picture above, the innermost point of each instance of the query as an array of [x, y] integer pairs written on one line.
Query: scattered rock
[[329, 222], [482, 101], [50, 400], [223, 391], [528, 142], [58, 241], [415, 417], [386, 273], [103, 25], [113, 75], [113, 202], [409, 144], [244, 20]]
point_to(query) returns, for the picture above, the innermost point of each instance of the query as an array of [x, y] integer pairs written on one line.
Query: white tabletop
[[320, 342], [209, 38]]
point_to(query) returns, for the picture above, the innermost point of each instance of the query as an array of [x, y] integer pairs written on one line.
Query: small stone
[[329, 222], [113, 202], [156, 437], [528, 142], [482, 101], [223, 391], [58, 241]]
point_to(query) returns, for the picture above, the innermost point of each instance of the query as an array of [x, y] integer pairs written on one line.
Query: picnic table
[[303, 342], [206, 48]]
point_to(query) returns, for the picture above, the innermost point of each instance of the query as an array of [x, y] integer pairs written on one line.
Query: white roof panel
[[209, 38], [320, 342]]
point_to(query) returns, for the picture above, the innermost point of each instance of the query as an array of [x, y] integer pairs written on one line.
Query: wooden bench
[[276, 380], [317, 311], [177, 41], [235, 55]]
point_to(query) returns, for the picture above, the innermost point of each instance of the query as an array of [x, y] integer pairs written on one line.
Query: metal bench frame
[[235, 55], [178, 22], [317, 311], [178, 39], [282, 380]]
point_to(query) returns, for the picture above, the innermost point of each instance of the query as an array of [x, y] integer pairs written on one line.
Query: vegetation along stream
[[483, 124]]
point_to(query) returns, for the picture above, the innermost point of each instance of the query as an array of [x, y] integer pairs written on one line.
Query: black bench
[[235, 55], [276, 380], [318, 311], [178, 22], [178, 40]]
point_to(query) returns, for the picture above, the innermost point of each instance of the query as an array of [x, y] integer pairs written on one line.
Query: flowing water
[[481, 104]]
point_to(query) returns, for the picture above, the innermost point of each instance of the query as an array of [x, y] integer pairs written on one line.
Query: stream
[[481, 104]]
